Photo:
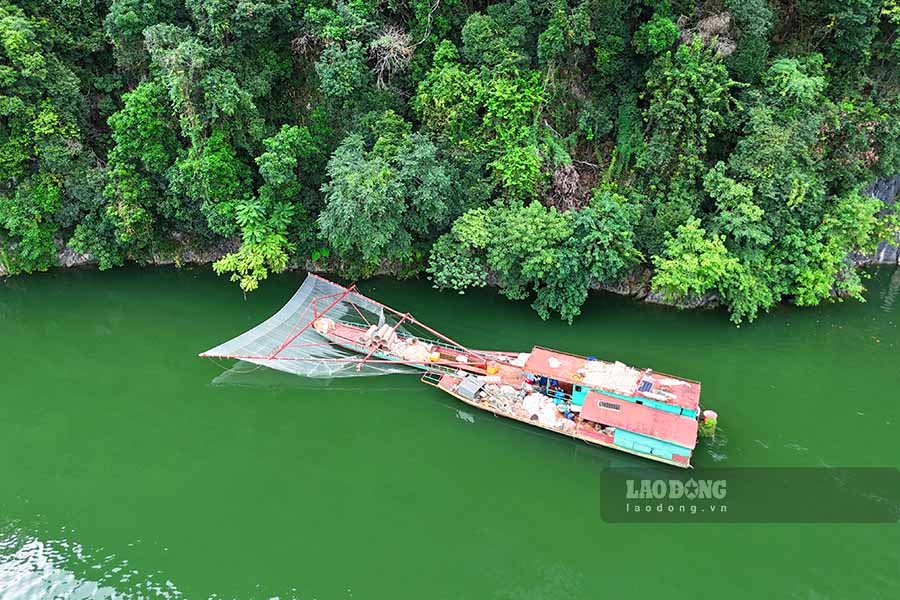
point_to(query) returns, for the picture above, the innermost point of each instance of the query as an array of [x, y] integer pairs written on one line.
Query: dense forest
[[537, 145]]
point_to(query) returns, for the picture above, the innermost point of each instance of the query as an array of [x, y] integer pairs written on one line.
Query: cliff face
[[887, 191]]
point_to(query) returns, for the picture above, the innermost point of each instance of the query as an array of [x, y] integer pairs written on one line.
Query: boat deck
[[615, 377], [474, 361], [512, 407]]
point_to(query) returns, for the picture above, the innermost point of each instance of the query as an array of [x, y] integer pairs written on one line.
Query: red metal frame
[[290, 339], [411, 318], [298, 330], [343, 360], [359, 312]]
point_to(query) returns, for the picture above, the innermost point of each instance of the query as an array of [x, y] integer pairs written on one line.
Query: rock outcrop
[[637, 285], [887, 191]]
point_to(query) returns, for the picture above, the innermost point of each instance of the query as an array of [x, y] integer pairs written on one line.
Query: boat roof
[[615, 377], [641, 419]]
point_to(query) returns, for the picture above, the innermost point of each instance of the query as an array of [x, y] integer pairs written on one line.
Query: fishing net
[[307, 336]]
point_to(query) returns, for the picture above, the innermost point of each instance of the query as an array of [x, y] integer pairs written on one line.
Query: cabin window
[[610, 405], [577, 388]]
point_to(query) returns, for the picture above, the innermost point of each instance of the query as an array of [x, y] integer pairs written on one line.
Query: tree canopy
[[542, 146]]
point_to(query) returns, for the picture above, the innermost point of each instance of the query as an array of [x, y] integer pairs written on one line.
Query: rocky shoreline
[[635, 285]]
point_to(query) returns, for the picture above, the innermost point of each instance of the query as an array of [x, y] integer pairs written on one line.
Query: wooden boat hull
[[596, 440], [350, 337]]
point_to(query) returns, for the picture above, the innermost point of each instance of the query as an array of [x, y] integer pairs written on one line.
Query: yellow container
[[492, 368]]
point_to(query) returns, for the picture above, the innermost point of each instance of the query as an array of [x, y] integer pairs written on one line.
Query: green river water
[[130, 468]]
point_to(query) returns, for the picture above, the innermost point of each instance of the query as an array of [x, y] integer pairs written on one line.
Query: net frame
[[288, 340]]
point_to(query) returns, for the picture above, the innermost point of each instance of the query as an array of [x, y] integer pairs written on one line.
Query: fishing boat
[[328, 330], [639, 411]]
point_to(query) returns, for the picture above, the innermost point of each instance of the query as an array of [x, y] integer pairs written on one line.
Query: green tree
[[693, 264], [754, 20], [145, 148], [40, 111], [269, 222], [529, 249], [382, 199]]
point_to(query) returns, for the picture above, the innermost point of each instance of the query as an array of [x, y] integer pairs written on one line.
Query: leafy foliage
[[693, 263], [383, 199], [265, 221], [531, 249], [539, 146]]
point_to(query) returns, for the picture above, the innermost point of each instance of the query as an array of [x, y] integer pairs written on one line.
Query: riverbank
[[637, 284]]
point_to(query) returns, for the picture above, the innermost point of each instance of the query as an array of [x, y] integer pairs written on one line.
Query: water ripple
[[34, 569]]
